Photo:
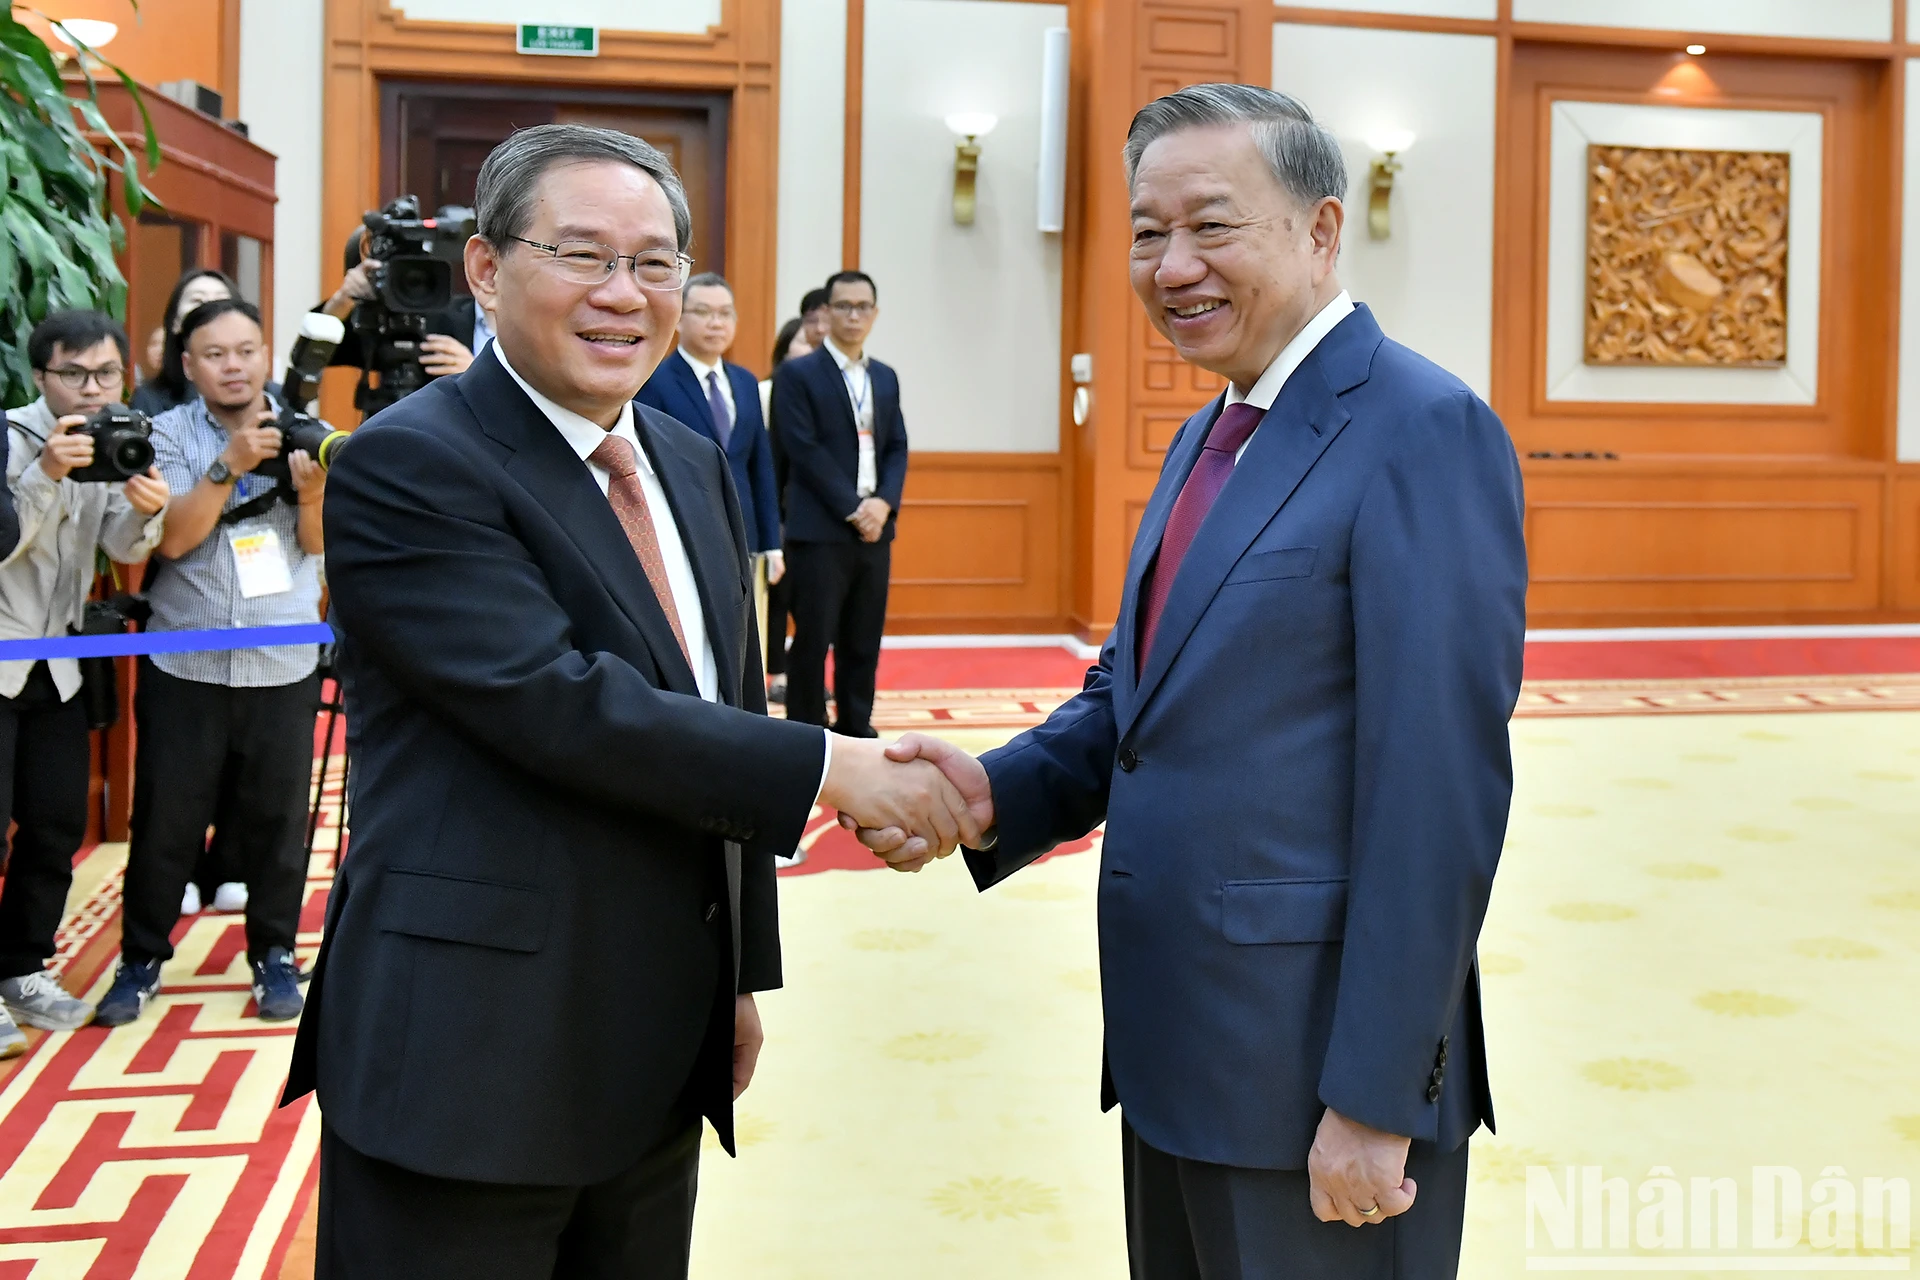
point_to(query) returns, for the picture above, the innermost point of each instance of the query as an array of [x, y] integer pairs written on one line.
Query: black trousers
[[839, 602], [379, 1220], [779, 605], [197, 743], [1187, 1220], [44, 759]]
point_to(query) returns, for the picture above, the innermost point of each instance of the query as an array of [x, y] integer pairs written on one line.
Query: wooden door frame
[[718, 107], [370, 41]]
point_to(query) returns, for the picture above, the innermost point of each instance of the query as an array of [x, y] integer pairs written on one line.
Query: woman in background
[[168, 387]]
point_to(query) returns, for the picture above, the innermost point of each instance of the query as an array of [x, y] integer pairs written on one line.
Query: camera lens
[[418, 285], [132, 454]]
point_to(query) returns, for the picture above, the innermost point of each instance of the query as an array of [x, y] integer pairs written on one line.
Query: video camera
[[122, 445], [415, 279]]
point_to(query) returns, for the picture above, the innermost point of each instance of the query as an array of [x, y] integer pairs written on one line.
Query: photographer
[[80, 361], [444, 336], [241, 549]]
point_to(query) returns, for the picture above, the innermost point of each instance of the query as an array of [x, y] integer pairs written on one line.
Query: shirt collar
[[582, 434], [1294, 354], [701, 368], [844, 360]]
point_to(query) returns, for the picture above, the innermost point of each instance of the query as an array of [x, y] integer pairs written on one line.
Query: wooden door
[[436, 136]]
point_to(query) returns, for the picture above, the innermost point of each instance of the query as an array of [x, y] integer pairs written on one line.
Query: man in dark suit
[[541, 955], [845, 443], [721, 400], [1296, 735]]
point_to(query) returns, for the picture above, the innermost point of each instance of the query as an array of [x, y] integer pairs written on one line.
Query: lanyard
[[866, 390]]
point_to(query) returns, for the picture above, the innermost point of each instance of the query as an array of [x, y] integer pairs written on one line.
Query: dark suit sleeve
[[1439, 588], [808, 457], [766, 498], [891, 465], [1051, 783], [9, 519], [432, 585]]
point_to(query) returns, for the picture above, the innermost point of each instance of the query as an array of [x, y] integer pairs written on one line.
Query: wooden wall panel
[[1903, 558], [1651, 547], [978, 545]]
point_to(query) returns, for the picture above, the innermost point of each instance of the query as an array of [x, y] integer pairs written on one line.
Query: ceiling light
[[1696, 49], [91, 32]]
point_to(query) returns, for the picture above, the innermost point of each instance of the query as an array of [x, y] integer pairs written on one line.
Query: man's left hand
[[747, 1039], [1353, 1168], [870, 518], [148, 494], [776, 566], [441, 355], [309, 477]]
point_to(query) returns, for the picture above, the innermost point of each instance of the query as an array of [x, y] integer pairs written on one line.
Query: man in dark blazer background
[[845, 443], [699, 387], [541, 954], [1296, 735]]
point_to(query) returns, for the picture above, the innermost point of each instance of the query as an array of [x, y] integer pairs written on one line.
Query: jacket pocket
[[480, 913], [1265, 566], [1254, 912]]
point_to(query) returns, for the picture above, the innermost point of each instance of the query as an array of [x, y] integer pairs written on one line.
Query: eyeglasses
[[844, 308], [75, 378], [710, 313], [591, 263]]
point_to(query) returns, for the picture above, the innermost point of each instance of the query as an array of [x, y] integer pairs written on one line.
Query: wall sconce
[[971, 125], [1389, 143], [92, 32]]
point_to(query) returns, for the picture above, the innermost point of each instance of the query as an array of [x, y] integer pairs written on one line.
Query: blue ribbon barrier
[[118, 645]]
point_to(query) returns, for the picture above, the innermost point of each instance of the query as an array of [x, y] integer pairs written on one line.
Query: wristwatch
[[220, 472]]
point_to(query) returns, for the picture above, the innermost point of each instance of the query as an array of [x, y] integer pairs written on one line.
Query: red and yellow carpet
[[1701, 955]]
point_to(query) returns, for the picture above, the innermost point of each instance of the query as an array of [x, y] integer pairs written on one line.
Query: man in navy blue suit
[[1296, 735], [845, 443], [722, 401]]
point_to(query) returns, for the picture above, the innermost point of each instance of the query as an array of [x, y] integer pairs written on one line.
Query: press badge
[[260, 562]]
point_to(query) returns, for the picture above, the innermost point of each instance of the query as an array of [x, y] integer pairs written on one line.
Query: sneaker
[[276, 987], [12, 1043], [190, 900], [231, 896], [777, 692], [39, 1000], [133, 986]]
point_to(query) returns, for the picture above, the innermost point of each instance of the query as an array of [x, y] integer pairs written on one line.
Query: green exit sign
[[568, 42]]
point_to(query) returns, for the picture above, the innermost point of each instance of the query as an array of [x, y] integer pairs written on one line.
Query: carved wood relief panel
[[1686, 257]]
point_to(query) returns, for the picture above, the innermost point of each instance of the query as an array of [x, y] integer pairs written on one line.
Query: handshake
[[910, 802]]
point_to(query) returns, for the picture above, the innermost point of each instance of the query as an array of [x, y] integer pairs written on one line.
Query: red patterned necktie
[[1231, 431], [630, 505]]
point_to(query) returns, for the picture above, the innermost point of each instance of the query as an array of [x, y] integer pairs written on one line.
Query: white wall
[[1487, 9], [969, 315], [1908, 449], [1430, 284], [813, 101], [693, 16], [282, 48], [1828, 19]]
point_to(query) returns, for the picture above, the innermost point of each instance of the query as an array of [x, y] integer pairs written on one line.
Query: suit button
[[746, 833], [713, 912], [1433, 1093], [1128, 760]]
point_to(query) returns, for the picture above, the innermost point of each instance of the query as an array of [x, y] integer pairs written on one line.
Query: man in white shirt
[[80, 361], [541, 957]]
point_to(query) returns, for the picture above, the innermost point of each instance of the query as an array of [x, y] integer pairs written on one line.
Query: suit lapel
[[1303, 421], [546, 465], [693, 396], [715, 569], [746, 411]]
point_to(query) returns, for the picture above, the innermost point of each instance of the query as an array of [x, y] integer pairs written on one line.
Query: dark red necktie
[[1231, 431]]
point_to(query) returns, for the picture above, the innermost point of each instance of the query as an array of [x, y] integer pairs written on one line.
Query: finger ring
[[1368, 1213]]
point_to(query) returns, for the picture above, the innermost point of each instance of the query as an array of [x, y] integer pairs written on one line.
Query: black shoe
[[276, 987], [133, 986], [868, 732]]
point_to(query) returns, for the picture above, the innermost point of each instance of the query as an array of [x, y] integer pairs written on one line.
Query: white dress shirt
[[859, 383], [585, 436], [482, 329], [1267, 389], [701, 371]]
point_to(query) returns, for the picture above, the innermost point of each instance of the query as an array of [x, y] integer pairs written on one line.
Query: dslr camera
[[122, 445], [415, 279]]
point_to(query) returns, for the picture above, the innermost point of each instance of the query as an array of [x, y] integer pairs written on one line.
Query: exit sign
[[569, 42]]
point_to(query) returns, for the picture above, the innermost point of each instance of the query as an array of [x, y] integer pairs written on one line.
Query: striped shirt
[[201, 590]]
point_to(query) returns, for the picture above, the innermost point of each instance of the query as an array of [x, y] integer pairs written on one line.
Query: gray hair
[[705, 280], [1303, 153], [510, 178]]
